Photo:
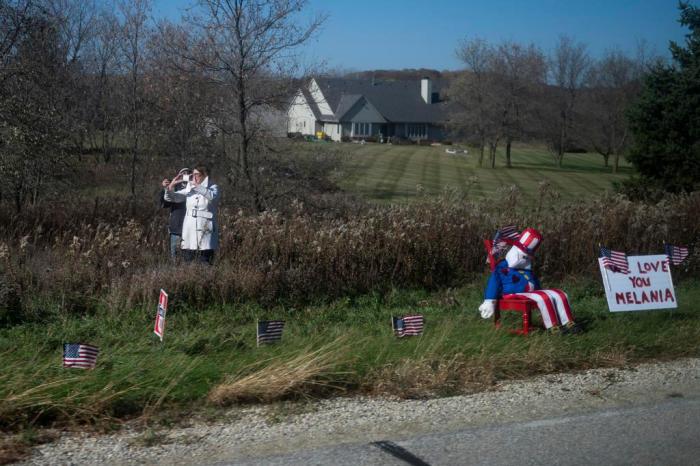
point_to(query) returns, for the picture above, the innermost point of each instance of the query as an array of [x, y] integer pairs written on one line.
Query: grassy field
[[336, 281], [209, 356], [389, 173]]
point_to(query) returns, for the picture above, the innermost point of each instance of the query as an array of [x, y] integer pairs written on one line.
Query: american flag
[[159, 327], [614, 260], [269, 331], [504, 237], [407, 325], [676, 254], [80, 355]]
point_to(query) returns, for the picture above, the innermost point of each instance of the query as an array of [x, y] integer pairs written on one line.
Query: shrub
[[400, 141], [640, 189], [112, 259], [576, 150]]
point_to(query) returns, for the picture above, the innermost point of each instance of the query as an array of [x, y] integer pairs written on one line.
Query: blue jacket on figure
[[506, 280], [514, 275]]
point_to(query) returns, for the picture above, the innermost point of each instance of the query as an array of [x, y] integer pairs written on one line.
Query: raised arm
[[174, 196], [171, 195], [211, 192]]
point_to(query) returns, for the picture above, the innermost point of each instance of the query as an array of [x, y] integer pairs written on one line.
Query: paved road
[[645, 414], [663, 433]]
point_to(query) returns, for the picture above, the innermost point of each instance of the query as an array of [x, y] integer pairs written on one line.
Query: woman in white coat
[[200, 232]]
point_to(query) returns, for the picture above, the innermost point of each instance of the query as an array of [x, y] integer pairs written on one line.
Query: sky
[[396, 34]]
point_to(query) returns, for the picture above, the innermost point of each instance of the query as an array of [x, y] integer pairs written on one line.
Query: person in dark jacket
[[177, 216]]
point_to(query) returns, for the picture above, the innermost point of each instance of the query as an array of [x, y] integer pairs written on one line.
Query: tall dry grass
[[304, 373], [76, 259]]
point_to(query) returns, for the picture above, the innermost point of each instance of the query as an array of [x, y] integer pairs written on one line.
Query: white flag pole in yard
[[670, 277], [606, 282], [605, 279]]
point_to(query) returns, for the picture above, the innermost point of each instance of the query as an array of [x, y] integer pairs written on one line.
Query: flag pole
[[666, 251], [668, 258], [670, 277], [606, 283]]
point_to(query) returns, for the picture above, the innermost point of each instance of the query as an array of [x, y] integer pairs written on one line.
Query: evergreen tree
[[665, 120]]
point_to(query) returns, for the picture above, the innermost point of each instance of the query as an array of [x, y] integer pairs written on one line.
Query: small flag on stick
[[80, 355], [269, 331], [676, 254], [159, 327], [614, 260], [504, 237], [407, 325]]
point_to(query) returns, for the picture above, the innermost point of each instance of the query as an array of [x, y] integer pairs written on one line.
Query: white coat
[[200, 230]]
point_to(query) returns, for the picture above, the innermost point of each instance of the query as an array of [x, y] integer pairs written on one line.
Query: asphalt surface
[[642, 414], [662, 433]]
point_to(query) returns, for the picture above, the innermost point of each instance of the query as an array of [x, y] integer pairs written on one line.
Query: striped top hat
[[530, 239]]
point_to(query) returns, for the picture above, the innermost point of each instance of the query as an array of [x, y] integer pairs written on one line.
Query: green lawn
[[388, 173], [136, 374]]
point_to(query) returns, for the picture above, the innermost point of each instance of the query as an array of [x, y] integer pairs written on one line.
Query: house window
[[362, 129], [417, 131]]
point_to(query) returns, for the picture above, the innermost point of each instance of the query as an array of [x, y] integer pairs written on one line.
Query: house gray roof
[[310, 101], [346, 102], [398, 101]]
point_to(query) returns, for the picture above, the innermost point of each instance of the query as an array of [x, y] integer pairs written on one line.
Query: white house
[[360, 108]]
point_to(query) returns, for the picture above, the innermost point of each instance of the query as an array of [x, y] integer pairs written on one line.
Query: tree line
[[90, 78], [94, 77], [567, 99]]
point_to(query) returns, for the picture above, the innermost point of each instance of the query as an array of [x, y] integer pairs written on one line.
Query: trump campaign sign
[[648, 284], [159, 327]]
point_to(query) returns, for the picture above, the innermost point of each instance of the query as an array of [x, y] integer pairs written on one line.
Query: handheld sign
[[159, 327], [648, 285]]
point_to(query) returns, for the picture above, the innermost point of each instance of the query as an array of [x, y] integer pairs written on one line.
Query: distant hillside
[[405, 74]]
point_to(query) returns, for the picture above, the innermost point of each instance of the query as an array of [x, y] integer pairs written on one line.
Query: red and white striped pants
[[553, 305]]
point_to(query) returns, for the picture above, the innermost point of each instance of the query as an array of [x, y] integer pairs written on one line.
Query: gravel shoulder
[[261, 430]]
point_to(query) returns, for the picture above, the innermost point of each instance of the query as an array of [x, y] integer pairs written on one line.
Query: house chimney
[[426, 90]]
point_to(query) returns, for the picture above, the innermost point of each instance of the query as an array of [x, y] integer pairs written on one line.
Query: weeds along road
[[646, 414]]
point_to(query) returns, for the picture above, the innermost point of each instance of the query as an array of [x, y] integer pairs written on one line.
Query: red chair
[[521, 305]]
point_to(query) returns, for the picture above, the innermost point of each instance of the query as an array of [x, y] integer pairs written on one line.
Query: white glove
[[487, 308]]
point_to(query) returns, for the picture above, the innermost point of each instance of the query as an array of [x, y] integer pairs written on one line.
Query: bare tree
[[179, 119], [135, 27], [75, 21], [614, 81], [14, 16], [469, 92], [518, 71], [102, 74], [247, 48], [567, 70], [34, 129], [494, 94]]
